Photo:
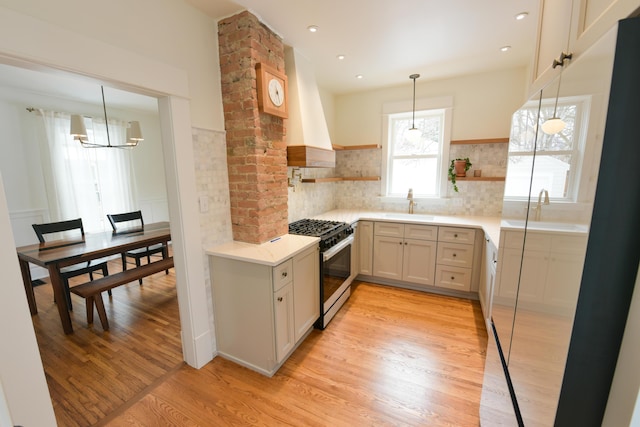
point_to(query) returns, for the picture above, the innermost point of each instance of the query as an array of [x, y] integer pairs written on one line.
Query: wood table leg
[[102, 313], [28, 287], [61, 298]]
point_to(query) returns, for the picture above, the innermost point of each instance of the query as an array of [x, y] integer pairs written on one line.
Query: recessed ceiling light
[[505, 48], [312, 28], [340, 57], [359, 76], [521, 16]]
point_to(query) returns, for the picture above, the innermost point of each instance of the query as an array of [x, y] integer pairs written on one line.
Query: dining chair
[[130, 222], [71, 229]]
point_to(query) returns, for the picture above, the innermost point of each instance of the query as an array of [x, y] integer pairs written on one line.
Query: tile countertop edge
[[490, 225], [269, 253]]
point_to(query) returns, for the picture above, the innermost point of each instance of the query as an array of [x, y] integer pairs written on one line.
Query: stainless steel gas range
[[336, 252]]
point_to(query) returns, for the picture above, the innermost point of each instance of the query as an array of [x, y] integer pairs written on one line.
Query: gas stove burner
[[329, 232], [313, 227]]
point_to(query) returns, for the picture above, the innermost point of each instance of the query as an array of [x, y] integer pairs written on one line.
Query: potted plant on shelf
[[458, 168]]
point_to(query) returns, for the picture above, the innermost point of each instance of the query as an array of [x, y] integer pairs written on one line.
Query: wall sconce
[[79, 131]]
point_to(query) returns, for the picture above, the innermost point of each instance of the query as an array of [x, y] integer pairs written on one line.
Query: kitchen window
[[558, 157], [416, 164]]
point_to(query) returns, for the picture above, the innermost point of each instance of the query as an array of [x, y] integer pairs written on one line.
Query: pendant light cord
[[413, 118], [106, 120], [555, 107]]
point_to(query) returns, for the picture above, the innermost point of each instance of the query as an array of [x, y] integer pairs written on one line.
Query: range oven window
[[335, 271]]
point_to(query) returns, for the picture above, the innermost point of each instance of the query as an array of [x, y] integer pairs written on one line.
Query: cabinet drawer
[[282, 274], [421, 232], [457, 235], [455, 254], [457, 278], [389, 229]]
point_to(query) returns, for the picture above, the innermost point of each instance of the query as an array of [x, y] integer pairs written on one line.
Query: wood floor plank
[[390, 357]]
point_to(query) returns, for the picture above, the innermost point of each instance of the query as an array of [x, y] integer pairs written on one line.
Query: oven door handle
[[326, 255]]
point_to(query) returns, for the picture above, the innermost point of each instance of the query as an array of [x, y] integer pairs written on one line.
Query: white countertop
[[280, 249], [490, 225], [270, 253]]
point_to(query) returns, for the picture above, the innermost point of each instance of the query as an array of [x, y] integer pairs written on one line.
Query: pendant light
[[79, 131], [414, 134], [555, 124]]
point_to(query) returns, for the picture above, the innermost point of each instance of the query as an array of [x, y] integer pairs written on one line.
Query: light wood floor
[[390, 357]]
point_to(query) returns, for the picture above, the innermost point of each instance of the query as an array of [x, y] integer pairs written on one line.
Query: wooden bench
[[92, 291]]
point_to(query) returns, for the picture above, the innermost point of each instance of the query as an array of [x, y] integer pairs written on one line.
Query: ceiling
[[385, 41]]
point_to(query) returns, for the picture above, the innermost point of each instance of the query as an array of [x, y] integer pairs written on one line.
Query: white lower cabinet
[[424, 255], [261, 312], [306, 291], [404, 252], [455, 258], [488, 279], [364, 234], [551, 269], [284, 321]]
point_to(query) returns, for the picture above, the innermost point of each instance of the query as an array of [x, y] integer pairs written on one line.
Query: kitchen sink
[[546, 226]]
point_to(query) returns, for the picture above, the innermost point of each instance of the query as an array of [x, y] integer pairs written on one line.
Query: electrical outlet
[[204, 204]]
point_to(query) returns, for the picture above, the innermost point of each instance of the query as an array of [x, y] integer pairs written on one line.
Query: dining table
[[54, 255]]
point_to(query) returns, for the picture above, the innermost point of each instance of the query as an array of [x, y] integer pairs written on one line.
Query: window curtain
[[86, 183]]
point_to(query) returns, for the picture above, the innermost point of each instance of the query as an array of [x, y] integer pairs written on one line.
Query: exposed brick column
[[256, 146]]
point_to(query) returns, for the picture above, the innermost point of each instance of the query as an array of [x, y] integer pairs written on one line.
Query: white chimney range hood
[[308, 141]]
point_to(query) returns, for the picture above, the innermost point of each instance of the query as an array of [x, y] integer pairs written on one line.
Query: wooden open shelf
[[355, 147], [345, 178], [480, 141], [479, 178]]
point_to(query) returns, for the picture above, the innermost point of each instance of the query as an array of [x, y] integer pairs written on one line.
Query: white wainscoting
[[23, 233], [154, 210]]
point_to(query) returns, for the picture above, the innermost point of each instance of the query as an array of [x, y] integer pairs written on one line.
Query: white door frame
[[95, 60]]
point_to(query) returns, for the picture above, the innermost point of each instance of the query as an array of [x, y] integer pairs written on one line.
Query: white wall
[[482, 106], [160, 48], [21, 134], [168, 31], [21, 371]]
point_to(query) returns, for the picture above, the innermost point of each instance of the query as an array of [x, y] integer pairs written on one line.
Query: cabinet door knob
[[284, 274], [452, 277], [280, 299], [455, 235], [454, 255], [405, 243], [400, 242]]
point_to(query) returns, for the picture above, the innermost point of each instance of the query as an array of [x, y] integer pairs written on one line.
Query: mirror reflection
[[549, 194]]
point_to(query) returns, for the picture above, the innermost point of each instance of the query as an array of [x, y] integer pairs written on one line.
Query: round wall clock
[[272, 90]]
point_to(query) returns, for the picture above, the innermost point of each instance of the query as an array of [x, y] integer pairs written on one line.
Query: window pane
[[523, 131], [518, 176], [419, 174], [562, 141], [429, 143], [551, 173]]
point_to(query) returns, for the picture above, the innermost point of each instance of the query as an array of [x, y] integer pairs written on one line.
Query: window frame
[[578, 153], [399, 109]]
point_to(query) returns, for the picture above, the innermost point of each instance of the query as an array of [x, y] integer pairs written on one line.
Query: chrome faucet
[[540, 203], [410, 199]]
